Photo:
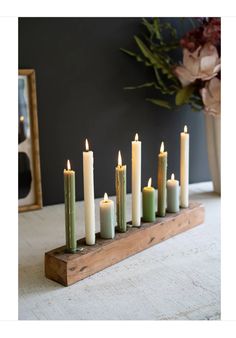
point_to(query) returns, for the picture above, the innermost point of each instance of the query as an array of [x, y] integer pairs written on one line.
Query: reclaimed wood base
[[66, 268]]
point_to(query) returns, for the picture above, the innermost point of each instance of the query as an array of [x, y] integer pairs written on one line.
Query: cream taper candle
[[89, 207], [136, 181], [161, 181], [184, 168]]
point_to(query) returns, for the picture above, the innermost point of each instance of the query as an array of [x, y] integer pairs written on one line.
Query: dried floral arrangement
[[193, 80]]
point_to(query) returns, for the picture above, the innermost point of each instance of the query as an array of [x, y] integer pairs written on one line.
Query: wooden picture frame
[[28, 143]]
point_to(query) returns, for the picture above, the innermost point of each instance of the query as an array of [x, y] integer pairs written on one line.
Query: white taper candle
[[136, 181], [89, 207], [184, 168]]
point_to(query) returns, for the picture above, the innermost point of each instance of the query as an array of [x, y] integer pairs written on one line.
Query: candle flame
[[185, 129], [150, 182], [105, 197], [22, 118], [119, 159], [68, 165], [86, 145], [162, 147], [136, 137], [172, 176]]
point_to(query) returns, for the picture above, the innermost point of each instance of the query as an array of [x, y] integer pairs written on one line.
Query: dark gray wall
[[80, 75]]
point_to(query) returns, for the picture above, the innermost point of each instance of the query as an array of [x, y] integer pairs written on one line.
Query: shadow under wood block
[[66, 268]]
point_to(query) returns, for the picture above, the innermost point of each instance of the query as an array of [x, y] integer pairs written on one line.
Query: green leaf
[[127, 52], [155, 60], [144, 85], [166, 48], [183, 95], [148, 25], [161, 83], [167, 91], [161, 103], [136, 56], [157, 28], [145, 50]]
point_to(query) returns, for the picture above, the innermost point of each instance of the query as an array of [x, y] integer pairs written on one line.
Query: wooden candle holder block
[[66, 268]]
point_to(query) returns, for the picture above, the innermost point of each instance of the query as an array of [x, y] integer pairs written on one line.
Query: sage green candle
[[121, 195], [69, 191], [172, 194], [149, 205], [161, 181], [107, 218]]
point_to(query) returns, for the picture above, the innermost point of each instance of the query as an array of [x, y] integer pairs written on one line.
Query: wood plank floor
[[177, 279]]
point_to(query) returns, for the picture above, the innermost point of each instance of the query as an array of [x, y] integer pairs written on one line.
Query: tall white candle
[[184, 168], [136, 181], [89, 207]]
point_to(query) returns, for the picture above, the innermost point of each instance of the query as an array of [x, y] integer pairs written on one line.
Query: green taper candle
[[149, 206], [121, 195], [69, 191], [172, 194], [161, 181], [107, 218]]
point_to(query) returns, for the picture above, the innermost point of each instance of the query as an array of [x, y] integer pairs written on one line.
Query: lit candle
[[136, 181], [172, 194], [107, 218], [184, 168], [161, 181], [121, 195], [149, 212], [69, 191], [89, 207]]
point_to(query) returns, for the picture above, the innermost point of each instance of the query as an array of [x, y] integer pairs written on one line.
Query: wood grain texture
[[66, 268]]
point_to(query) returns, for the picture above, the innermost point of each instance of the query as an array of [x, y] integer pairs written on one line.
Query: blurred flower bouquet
[[193, 80]]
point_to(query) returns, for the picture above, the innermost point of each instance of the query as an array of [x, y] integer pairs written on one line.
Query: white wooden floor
[[177, 279]]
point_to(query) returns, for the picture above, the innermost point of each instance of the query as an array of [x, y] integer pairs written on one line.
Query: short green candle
[[69, 191], [172, 195], [161, 182], [149, 212], [107, 218], [121, 195]]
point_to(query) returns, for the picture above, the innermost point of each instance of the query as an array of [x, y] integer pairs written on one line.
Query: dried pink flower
[[202, 64], [211, 97]]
